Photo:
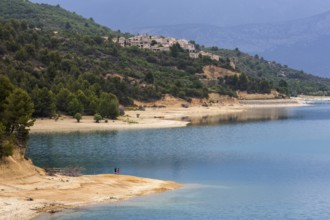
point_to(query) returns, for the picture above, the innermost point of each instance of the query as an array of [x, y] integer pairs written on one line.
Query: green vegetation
[[50, 73], [69, 64], [246, 83], [44, 102], [78, 117], [75, 73], [97, 118], [286, 80], [16, 108], [108, 106], [49, 17]]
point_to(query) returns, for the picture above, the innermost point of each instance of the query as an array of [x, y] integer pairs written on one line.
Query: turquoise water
[[261, 169]]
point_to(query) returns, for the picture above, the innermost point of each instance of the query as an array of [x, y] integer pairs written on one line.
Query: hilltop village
[[158, 44]]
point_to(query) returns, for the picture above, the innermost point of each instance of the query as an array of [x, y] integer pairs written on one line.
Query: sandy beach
[[167, 114], [25, 190], [150, 118]]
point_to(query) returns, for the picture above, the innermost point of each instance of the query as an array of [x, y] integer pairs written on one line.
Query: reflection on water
[[279, 169], [245, 116]]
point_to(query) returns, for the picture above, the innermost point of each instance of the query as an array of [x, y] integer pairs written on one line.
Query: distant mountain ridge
[[302, 44]]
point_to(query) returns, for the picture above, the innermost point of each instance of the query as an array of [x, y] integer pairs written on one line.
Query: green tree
[[243, 82], [149, 78], [75, 106], [114, 108], [6, 143], [78, 117], [92, 107], [82, 98], [63, 99], [30, 50], [22, 55], [153, 43], [51, 71], [283, 83], [264, 87], [97, 118], [108, 106], [176, 49], [283, 87], [6, 139], [233, 82], [44, 102], [6, 89], [18, 115]]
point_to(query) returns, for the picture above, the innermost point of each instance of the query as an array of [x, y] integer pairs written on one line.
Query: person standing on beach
[[115, 170]]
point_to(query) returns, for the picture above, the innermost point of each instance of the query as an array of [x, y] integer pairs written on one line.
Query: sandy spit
[[25, 190]]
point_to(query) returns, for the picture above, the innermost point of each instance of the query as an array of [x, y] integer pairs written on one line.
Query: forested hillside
[[50, 17], [70, 64], [256, 66], [72, 73]]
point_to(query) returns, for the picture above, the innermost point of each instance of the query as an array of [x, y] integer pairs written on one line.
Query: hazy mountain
[[126, 14], [302, 44]]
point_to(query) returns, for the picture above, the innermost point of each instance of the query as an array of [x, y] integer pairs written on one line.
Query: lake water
[[260, 168]]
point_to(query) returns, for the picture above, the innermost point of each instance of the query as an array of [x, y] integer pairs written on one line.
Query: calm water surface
[[260, 169]]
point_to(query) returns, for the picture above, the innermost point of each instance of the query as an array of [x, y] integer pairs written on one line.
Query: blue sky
[[126, 14]]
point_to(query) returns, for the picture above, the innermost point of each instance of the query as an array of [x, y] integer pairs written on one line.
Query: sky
[[127, 14]]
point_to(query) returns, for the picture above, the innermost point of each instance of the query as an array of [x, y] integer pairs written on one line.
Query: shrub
[[97, 118], [78, 117]]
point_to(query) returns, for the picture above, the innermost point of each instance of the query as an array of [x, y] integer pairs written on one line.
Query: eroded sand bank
[[25, 190]]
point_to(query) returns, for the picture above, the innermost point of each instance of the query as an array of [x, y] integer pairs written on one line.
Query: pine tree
[[18, 115]]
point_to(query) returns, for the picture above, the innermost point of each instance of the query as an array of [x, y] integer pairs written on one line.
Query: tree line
[[246, 83]]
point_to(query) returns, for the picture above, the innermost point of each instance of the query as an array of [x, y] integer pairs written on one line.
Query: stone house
[[163, 44]]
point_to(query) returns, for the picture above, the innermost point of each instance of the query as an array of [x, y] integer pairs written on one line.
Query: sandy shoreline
[[151, 118], [25, 191]]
